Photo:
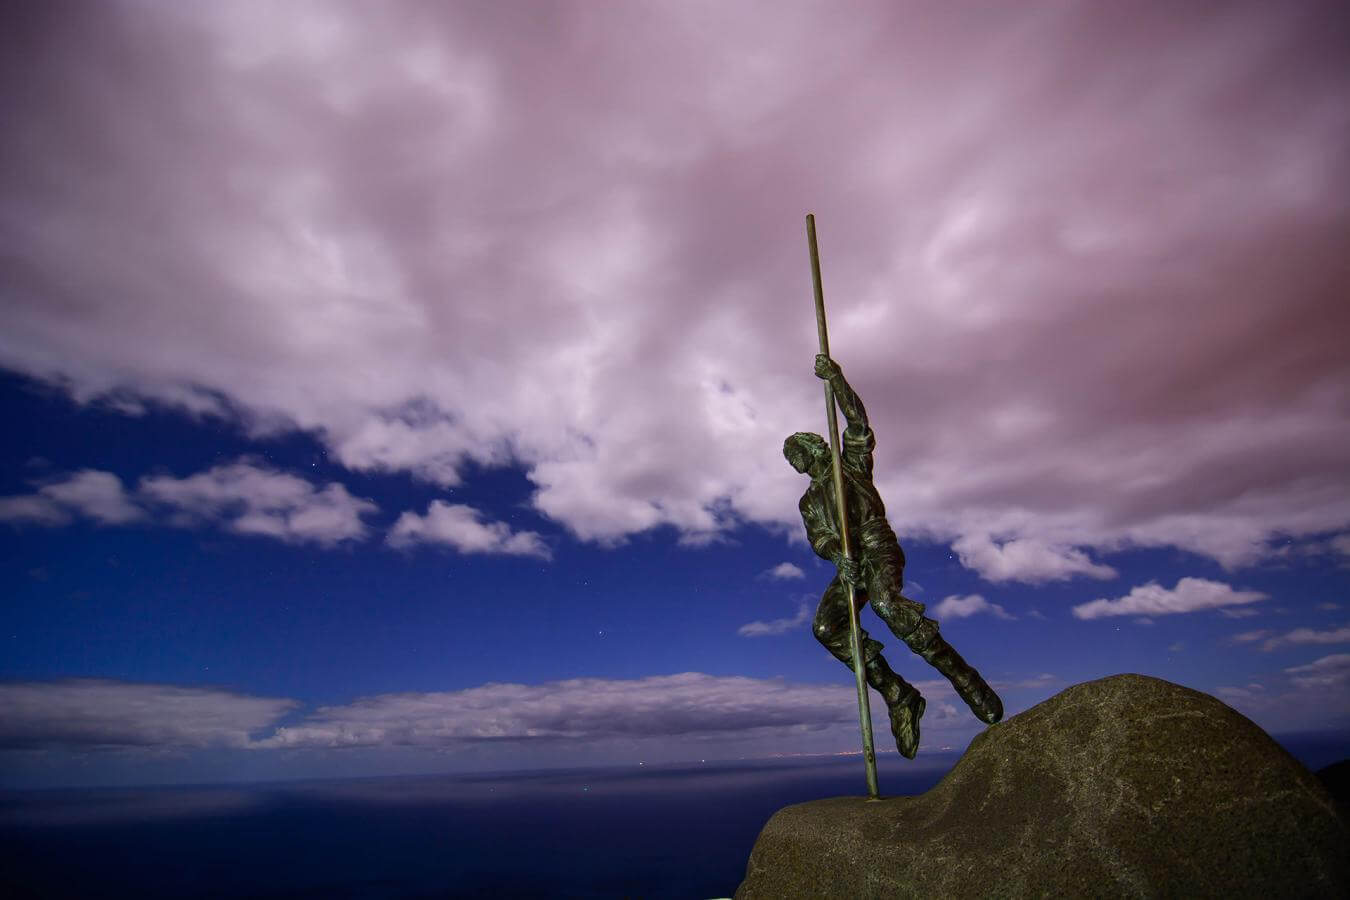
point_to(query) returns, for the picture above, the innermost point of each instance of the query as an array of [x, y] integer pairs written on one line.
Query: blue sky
[[403, 390]]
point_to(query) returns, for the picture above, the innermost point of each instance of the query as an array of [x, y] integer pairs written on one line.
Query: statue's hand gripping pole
[[855, 642]]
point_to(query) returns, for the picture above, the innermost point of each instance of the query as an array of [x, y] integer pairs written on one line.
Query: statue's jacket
[[869, 532]]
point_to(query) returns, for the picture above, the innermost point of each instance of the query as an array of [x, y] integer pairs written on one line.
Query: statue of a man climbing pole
[[877, 572], [870, 564]]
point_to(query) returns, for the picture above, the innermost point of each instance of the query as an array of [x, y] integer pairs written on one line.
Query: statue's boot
[[904, 703], [978, 695]]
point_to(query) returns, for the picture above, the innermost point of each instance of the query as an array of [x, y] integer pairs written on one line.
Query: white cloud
[[98, 495], [665, 706], [460, 526], [956, 606], [1328, 606], [89, 493], [1308, 636], [1026, 559], [1341, 544], [244, 497], [589, 715], [92, 714], [431, 449], [1189, 595], [32, 509], [451, 239], [1326, 672], [777, 626], [1247, 637], [785, 571], [248, 498]]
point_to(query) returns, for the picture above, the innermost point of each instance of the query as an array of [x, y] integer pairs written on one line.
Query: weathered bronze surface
[[872, 568]]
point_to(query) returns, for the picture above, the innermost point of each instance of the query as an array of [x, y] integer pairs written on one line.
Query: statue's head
[[805, 451]]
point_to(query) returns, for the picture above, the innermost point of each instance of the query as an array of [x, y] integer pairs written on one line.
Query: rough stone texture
[[1128, 786]]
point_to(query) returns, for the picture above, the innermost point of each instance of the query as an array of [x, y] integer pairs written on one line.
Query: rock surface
[[1127, 786]]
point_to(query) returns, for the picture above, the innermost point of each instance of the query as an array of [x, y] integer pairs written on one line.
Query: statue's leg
[[903, 701], [831, 627], [885, 572], [904, 704]]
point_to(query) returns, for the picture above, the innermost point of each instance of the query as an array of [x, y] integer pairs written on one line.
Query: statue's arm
[[849, 404], [824, 541], [844, 395]]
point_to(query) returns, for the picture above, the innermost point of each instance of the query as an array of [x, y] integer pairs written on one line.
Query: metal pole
[[855, 643]]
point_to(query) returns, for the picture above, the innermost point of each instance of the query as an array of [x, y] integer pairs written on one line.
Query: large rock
[[1127, 786]]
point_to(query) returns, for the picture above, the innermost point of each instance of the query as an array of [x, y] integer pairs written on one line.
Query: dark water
[[677, 833], [666, 833]]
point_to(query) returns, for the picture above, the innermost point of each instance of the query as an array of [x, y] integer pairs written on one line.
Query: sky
[[401, 387]]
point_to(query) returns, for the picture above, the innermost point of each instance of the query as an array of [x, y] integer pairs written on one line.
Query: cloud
[[460, 526], [580, 709], [1308, 636], [777, 626], [1328, 606], [1329, 671], [1315, 697], [1337, 547], [958, 607], [1239, 613], [1189, 595], [87, 714], [503, 723], [89, 493], [430, 237], [1247, 637], [248, 498], [1036, 682], [32, 509], [585, 714], [1026, 559], [244, 497], [98, 495], [785, 571], [428, 446]]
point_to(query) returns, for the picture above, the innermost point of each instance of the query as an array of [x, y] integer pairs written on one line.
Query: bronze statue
[[876, 574]]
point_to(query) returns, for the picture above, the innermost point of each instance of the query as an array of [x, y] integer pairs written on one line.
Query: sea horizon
[[673, 829], [1314, 749]]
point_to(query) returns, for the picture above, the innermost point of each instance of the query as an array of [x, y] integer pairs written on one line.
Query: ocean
[[667, 832]]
